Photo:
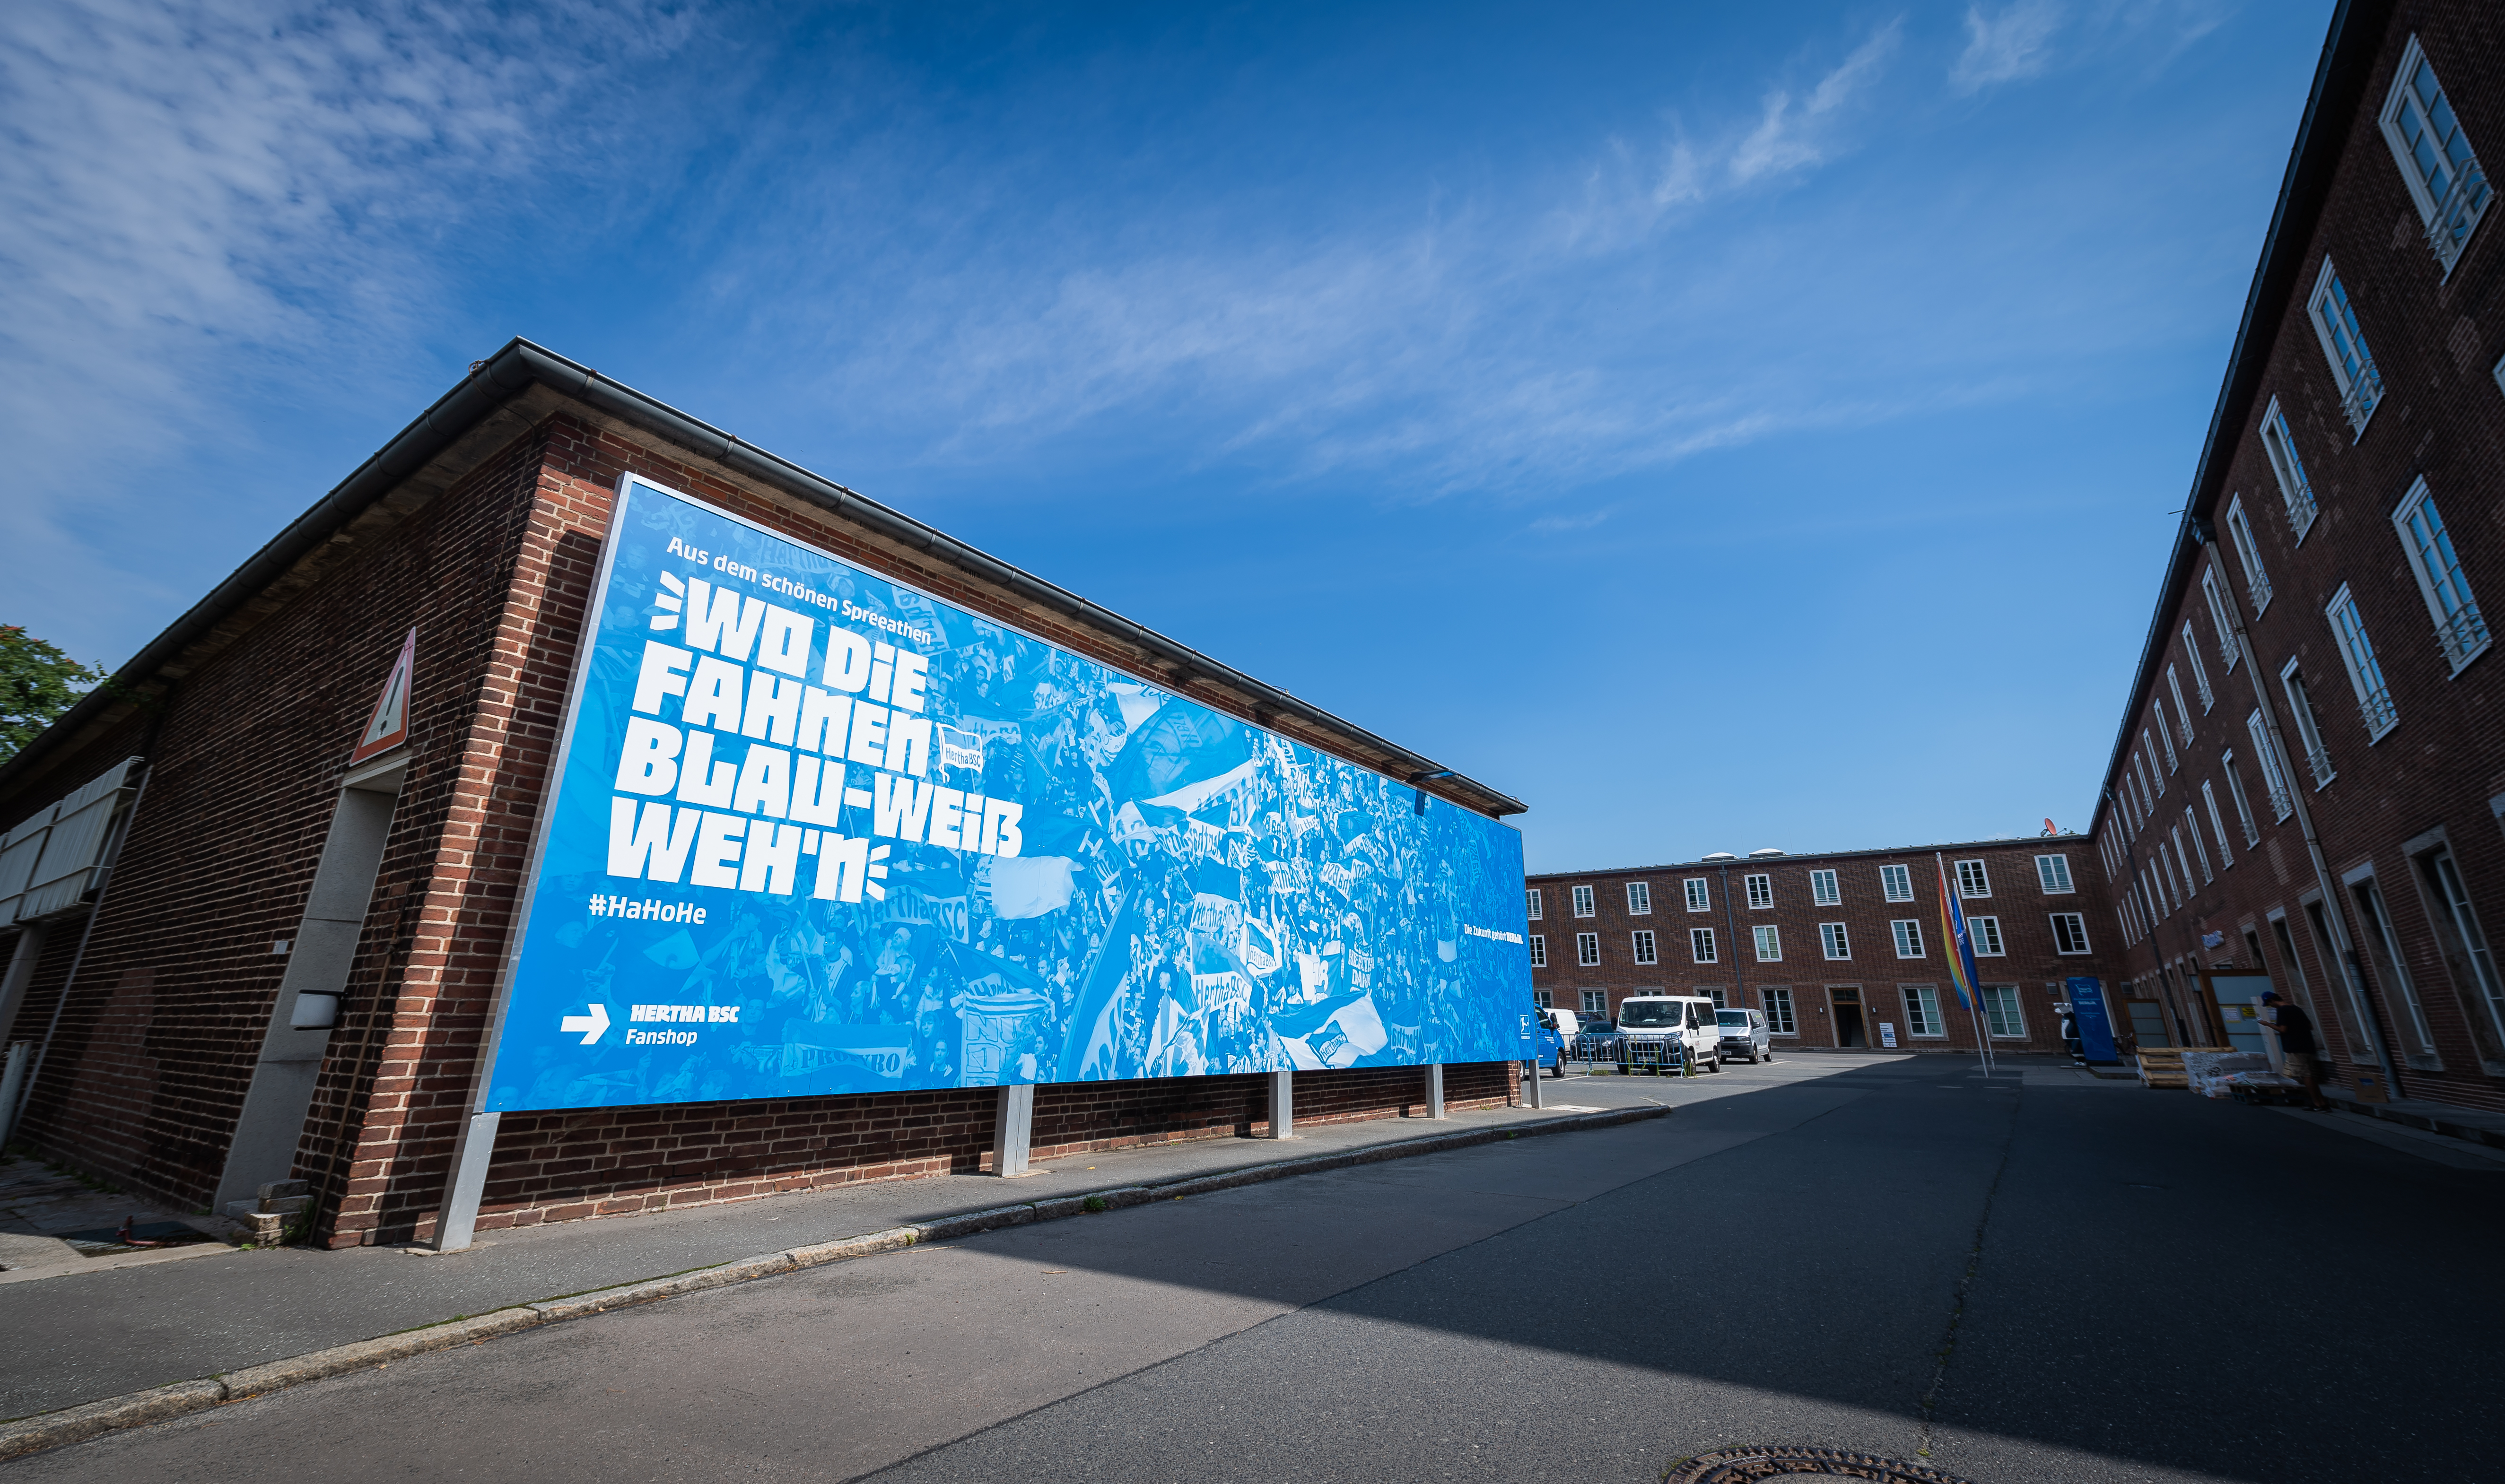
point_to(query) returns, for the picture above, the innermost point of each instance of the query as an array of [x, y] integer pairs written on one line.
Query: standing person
[[2296, 1040]]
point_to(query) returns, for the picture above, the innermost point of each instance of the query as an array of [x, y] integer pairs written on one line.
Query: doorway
[[2148, 1023], [1848, 1018]]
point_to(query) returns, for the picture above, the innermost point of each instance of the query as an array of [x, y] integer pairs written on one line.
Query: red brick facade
[[490, 553], [1806, 987], [2363, 887]]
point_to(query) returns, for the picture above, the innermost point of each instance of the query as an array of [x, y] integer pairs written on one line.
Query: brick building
[[1833, 947], [168, 907], [2310, 777]]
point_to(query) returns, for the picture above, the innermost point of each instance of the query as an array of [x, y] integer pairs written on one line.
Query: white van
[[1652, 1027]]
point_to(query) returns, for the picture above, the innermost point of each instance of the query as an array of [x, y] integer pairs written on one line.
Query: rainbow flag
[[1953, 933]]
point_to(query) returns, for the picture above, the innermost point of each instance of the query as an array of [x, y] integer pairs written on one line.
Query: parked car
[[1557, 1031], [1664, 1031], [1745, 1035]]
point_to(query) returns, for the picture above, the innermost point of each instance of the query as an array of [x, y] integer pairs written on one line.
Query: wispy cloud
[[1788, 138], [2016, 43]]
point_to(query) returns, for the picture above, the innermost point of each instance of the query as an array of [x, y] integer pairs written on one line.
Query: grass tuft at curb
[[46, 1430]]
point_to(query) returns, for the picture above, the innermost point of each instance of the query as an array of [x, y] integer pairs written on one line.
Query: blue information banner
[[2094, 1024], [814, 831]]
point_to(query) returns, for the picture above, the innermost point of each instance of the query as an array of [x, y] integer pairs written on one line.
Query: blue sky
[[1717, 426]]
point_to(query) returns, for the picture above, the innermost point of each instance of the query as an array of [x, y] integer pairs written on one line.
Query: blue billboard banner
[[2095, 1024], [816, 832]]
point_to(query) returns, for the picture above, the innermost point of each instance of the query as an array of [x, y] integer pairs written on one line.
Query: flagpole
[[1951, 920]]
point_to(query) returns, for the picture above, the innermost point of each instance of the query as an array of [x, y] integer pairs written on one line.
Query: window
[[2001, 1012], [2343, 345], [1530, 900], [1908, 937], [2386, 944], [1699, 897], [2226, 625], [1761, 891], [2070, 931], [2199, 673], [2172, 765], [1770, 944], [1717, 995], [2457, 624], [2182, 712], [1587, 950], [2054, 871], [1778, 1011], [1923, 1009], [1837, 942], [1538, 951], [2240, 531], [2469, 944], [1822, 888], [2156, 775], [1972, 879], [2180, 889], [2308, 734], [1897, 881], [1643, 945], [2445, 180], [2294, 490], [2219, 823], [2200, 848], [1596, 1004], [1983, 935], [1700, 945], [2357, 653], [2273, 780], [1583, 902], [1543, 999], [1638, 899]]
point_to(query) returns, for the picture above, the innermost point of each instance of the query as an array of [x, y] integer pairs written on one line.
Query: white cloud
[[2015, 44], [1787, 139]]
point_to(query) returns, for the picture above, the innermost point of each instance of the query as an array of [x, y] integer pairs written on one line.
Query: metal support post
[[1282, 1105], [1014, 1129], [1436, 1090], [1531, 1084], [471, 1152]]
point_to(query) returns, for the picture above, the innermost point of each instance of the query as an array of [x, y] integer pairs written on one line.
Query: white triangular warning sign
[[389, 726]]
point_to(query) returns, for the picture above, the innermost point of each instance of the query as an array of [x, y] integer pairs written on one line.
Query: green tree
[[37, 683]]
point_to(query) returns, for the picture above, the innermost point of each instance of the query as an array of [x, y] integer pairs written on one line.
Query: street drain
[[1744, 1466]]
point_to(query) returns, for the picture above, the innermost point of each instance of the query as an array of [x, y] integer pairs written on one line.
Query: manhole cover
[[1742, 1465]]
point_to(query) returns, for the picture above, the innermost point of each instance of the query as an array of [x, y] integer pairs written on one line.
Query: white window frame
[[2424, 539], [1983, 935], [1974, 886], [1836, 941], [1530, 897], [1824, 889], [1539, 950], [1646, 947], [2365, 673], [2248, 553], [2366, 891], [1768, 941], [2058, 870], [2333, 311], [1908, 933], [2199, 846], [1544, 999], [2275, 782], [1700, 947], [2450, 218], [1923, 1017], [2070, 926], [1897, 882], [2182, 712], [2295, 491], [2173, 763], [2200, 672], [1700, 893], [2309, 727], [1760, 886], [1587, 951], [2218, 825], [1999, 998], [1638, 899], [2216, 594], [2443, 872], [1778, 1006], [1596, 1003], [1717, 994], [1584, 904]]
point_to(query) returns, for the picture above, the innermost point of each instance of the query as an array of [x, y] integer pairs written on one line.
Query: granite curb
[[78, 1424]]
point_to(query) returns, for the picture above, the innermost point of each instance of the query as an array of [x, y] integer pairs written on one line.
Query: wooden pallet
[[2163, 1067]]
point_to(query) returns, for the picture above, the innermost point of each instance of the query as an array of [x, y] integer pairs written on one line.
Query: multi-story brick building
[[2309, 776], [168, 847], [1841, 950]]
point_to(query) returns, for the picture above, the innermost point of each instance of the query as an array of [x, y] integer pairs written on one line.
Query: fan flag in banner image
[[813, 832], [1962, 970]]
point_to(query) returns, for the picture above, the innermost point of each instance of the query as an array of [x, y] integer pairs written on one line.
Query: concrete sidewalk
[[101, 1333]]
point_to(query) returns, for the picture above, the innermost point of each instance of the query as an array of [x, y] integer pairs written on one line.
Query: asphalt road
[[2038, 1282]]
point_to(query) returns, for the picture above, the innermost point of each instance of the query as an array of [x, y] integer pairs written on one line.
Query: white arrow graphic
[[592, 1025]]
